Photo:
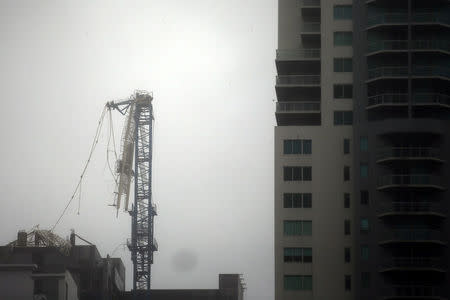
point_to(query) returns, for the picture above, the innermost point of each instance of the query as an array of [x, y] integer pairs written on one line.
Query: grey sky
[[210, 67]]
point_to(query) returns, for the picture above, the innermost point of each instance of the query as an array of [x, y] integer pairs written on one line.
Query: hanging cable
[[111, 135], [91, 152]]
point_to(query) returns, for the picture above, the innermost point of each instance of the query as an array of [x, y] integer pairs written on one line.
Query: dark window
[[287, 171], [295, 173], [296, 200], [297, 227], [342, 12], [364, 252], [298, 282], [346, 146], [364, 197], [348, 282], [287, 147], [346, 173], [364, 225], [343, 91], [297, 147], [298, 255], [364, 170], [346, 200], [307, 173], [307, 255], [347, 227], [307, 200], [307, 146], [347, 255], [365, 280], [287, 200], [343, 38], [364, 143], [343, 118], [342, 65]]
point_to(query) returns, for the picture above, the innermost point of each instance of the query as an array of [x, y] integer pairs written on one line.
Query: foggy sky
[[210, 66]]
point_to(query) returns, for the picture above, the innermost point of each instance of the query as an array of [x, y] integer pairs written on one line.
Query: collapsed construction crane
[[136, 143]]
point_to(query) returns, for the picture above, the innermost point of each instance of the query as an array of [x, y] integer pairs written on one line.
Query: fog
[[210, 66]]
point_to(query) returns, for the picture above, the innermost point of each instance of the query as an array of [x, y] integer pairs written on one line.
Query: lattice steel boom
[[142, 244]]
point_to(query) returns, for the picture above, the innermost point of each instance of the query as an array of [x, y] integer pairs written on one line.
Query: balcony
[[389, 19], [402, 45], [387, 72], [413, 292], [408, 236], [387, 100], [298, 107], [402, 72], [431, 99], [297, 54], [409, 153], [419, 181], [298, 113], [310, 28], [431, 71], [434, 18], [298, 80], [310, 3], [409, 264], [412, 209]]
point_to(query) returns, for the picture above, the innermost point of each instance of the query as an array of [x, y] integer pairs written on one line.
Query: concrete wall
[[16, 284]]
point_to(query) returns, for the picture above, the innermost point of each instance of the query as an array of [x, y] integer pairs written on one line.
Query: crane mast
[[138, 136]]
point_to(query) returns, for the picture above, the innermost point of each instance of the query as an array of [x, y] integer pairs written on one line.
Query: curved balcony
[[421, 181], [413, 292], [298, 80], [297, 54], [387, 100], [409, 153], [431, 18], [410, 264], [412, 209], [431, 71], [402, 72], [431, 99], [390, 19], [387, 19], [402, 45], [409, 236], [387, 72]]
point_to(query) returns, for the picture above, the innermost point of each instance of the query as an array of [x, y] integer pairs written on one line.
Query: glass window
[[307, 146], [287, 200], [287, 173], [307, 283], [346, 173], [293, 255], [364, 225], [364, 252], [307, 255], [364, 197], [307, 227], [292, 227], [296, 200], [347, 255], [307, 200], [346, 146], [347, 227], [348, 282], [298, 282], [348, 117], [296, 146], [343, 118], [343, 91], [287, 147], [365, 280], [364, 143], [296, 173], [307, 173], [342, 65], [346, 200], [364, 170], [342, 12], [343, 38]]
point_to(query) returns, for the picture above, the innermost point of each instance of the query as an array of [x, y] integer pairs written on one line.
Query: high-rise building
[[362, 149]]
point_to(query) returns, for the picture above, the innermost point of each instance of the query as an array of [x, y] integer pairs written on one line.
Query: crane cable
[[91, 152], [111, 135]]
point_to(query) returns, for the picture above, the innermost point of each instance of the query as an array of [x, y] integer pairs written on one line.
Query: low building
[[44, 266]]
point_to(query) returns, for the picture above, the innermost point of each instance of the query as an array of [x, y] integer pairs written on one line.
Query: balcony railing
[[310, 3], [431, 18], [411, 207], [431, 98], [293, 107], [402, 18], [313, 27], [412, 291], [418, 71], [387, 19], [297, 54], [392, 45], [419, 180], [431, 71], [388, 72], [388, 99], [408, 153], [415, 262], [387, 45], [443, 45], [298, 80], [413, 235]]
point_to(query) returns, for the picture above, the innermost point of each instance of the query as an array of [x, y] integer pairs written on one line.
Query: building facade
[[362, 146]]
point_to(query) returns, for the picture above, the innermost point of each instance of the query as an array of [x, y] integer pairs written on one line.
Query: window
[[295, 173], [348, 282], [364, 225], [342, 12], [298, 255], [342, 65], [343, 118], [365, 280], [297, 227], [343, 38], [346, 200], [298, 282], [347, 227], [297, 200], [364, 197], [364, 143], [346, 173], [364, 252], [297, 146], [347, 255], [364, 170], [346, 146], [343, 91]]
